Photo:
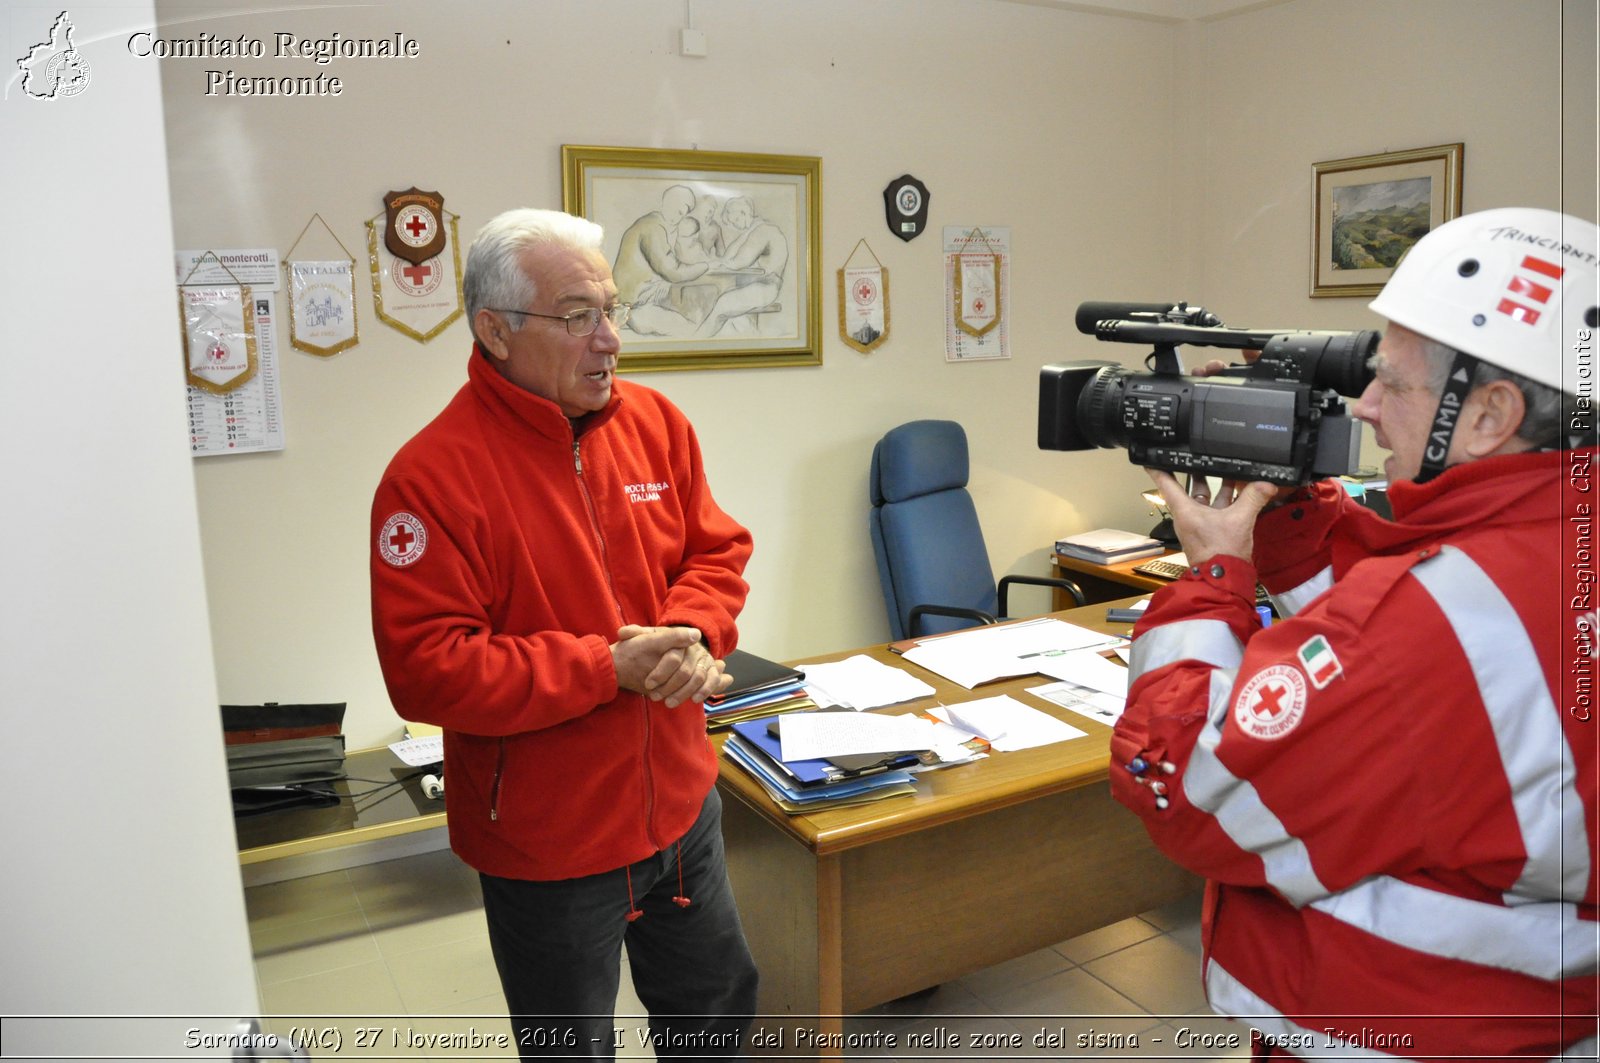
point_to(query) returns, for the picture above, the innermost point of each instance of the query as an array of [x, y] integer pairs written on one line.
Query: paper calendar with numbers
[[249, 418]]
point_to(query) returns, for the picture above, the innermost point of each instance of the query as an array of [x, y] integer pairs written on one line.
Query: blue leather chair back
[[925, 530]]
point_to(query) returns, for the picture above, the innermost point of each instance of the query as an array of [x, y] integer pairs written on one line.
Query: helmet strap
[[1447, 415]]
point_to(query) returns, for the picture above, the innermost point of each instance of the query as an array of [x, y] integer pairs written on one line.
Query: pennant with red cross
[[418, 298]]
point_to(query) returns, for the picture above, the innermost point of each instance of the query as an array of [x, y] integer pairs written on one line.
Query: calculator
[[1173, 566], [1162, 568]]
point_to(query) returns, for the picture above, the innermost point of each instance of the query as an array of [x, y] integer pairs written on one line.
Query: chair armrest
[[914, 617], [1040, 581]]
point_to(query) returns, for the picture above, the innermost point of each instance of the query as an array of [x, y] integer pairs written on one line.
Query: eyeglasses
[[580, 322]]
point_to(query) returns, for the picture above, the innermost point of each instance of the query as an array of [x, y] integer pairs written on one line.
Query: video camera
[[1281, 421]]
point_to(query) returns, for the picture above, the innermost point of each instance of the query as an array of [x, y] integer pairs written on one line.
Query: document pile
[[1045, 645], [1006, 724], [1107, 546], [784, 755], [860, 682], [760, 688]]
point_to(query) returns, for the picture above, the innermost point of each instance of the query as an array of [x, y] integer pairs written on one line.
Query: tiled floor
[[404, 942]]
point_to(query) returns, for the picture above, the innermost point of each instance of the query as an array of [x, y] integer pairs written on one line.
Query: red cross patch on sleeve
[[1272, 703], [402, 540]]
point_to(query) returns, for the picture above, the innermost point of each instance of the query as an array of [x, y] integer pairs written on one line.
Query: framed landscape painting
[[1367, 211]]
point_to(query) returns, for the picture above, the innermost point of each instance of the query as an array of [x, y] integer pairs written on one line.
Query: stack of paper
[[1108, 545], [978, 655], [860, 682], [812, 783], [759, 688], [1006, 723]]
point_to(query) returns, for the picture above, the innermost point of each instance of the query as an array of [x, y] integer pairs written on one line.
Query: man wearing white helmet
[[1393, 790]]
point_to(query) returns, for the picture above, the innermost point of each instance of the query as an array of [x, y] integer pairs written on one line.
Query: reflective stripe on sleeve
[[1207, 641], [1229, 996], [1239, 810], [1545, 940], [1292, 601], [1527, 726]]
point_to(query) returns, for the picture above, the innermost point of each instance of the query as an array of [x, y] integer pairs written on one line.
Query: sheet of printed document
[[1006, 723], [419, 752], [1085, 668], [981, 654], [860, 682], [1095, 704], [815, 735]]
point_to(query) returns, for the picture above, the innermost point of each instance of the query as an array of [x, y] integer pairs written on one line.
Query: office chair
[[932, 561]]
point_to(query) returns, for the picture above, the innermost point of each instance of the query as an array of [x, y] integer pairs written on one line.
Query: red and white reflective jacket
[[1392, 792]]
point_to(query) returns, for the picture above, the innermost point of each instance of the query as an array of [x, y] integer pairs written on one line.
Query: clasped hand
[[668, 664]]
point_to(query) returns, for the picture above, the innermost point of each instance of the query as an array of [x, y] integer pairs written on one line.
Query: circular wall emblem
[[402, 540], [909, 201], [416, 226], [1272, 703], [865, 291]]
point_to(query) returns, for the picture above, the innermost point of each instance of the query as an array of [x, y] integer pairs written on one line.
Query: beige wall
[[1132, 158]]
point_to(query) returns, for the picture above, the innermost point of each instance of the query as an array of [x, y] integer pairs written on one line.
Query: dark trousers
[[558, 949]]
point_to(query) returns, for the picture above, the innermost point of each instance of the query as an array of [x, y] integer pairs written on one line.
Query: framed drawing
[[1367, 211], [718, 252]]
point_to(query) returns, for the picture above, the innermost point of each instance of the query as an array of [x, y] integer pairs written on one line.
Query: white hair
[[1542, 417], [494, 277]]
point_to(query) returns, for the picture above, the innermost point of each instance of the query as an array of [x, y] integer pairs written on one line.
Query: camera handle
[[1164, 360]]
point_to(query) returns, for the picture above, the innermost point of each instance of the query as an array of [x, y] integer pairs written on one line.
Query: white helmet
[[1515, 287]]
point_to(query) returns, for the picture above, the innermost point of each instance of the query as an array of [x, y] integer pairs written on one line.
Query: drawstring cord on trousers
[[634, 912]]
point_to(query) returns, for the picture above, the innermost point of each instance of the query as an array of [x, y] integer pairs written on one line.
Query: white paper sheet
[[419, 752], [1095, 704], [1007, 724], [810, 735], [982, 654], [861, 682], [1086, 668]]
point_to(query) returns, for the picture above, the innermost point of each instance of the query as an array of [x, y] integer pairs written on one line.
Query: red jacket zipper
[[494, 787], [600, 538]]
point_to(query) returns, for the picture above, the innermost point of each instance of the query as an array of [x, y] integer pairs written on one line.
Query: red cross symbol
[[416, 274], [417, 225], [864, 291], [402, 539], [1267, 701], [978, 305]]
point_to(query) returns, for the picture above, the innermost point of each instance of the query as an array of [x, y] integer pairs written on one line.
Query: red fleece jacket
[[509, 545]]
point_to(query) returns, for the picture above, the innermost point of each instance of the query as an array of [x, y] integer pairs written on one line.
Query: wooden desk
[[852, 907], [1103, 583]]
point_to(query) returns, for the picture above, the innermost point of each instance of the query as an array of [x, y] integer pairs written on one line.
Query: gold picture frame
[[1367, 211], [719, 252]]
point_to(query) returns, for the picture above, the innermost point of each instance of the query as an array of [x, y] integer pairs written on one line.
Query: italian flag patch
[[1320, 662]]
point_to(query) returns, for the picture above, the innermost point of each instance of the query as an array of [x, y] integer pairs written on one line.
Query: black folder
[[751, 674]]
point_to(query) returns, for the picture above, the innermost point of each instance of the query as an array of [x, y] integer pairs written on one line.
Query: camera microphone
[[1176, 313]]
